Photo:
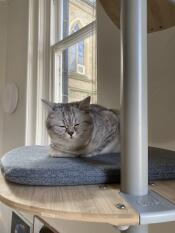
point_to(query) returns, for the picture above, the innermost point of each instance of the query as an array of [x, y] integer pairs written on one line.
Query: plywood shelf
[[80, 203], [161, 13], [165, 189], [90, 203]]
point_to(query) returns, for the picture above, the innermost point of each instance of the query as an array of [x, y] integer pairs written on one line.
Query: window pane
[[81, 53], [75, 76], [77, 14]]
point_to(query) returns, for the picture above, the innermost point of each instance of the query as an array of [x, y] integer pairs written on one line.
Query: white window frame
[[38, 72], [60, 44]]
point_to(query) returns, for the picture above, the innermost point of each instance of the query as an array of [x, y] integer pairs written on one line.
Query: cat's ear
[[84, 104], [49, 104]]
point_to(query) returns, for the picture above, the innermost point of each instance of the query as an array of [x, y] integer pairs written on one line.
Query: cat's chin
[[58, 154]]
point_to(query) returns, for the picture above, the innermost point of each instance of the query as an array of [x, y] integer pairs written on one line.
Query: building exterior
[[79, 60]]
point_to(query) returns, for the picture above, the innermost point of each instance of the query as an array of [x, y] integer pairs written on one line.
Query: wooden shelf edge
[[92, 204]]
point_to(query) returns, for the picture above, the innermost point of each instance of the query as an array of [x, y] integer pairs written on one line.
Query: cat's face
[[70, 125]]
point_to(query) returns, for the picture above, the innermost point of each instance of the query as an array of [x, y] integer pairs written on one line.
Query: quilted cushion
[[32, 165]]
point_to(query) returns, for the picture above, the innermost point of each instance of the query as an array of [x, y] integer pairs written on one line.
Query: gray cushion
[[32, 166]]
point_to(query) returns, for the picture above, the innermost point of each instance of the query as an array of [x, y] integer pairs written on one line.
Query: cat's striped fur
[[82, 129]]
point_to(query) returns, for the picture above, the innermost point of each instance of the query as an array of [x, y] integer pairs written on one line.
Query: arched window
[[76, 52]]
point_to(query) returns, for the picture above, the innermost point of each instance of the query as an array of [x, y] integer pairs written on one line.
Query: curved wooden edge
[[78, 203], [161, 13]]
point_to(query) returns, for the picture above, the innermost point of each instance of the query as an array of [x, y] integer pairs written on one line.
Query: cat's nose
[[70, 133]]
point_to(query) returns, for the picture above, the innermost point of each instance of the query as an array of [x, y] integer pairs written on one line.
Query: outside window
[[76, 53], [74, 50]]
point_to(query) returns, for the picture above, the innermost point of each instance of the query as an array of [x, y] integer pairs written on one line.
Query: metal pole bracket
[[152, 208]]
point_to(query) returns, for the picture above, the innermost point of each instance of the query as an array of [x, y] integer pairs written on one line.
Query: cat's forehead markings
[[68, 114], [64, 111]]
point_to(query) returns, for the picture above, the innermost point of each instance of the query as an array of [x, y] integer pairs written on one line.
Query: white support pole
[[134, 142]]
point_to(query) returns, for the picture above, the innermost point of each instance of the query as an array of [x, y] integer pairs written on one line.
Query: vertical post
[[134, 144]]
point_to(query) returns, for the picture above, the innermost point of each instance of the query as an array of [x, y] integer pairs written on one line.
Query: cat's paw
[[58, 154], [54, 153]]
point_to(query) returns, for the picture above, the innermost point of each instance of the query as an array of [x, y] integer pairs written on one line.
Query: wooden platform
[[165, 188], [90, 203], [161, 13], [80, 203]]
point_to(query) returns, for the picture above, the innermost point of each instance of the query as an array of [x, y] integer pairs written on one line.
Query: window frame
[[38, 72], [59, 44]]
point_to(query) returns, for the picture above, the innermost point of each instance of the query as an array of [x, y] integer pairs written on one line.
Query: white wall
[[16, 69], [161, 78], [161, 51], [108, 61], [3, 35]]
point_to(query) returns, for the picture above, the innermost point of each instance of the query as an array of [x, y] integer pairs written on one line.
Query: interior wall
[[16, 72], [161, 64], [3, 35], [108, 60], [161, 81]]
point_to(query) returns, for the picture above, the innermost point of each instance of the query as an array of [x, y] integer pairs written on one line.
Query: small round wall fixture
[[10, 98]]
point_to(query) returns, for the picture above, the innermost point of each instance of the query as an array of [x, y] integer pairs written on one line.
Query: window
[[61, 39], [73, 50], [76, 53]]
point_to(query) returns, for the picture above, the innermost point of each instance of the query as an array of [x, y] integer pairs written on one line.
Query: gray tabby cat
[[82, 129]]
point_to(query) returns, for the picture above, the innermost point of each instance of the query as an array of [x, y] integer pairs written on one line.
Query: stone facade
[[82, 56]]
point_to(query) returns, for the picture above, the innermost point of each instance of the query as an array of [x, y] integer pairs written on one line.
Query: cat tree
[[135, 206], [133, 24]]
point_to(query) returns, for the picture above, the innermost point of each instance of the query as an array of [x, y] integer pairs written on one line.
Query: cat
[[82, 129]]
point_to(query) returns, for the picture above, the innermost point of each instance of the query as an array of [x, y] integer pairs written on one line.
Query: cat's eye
[[62, 126], [76, 125]]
